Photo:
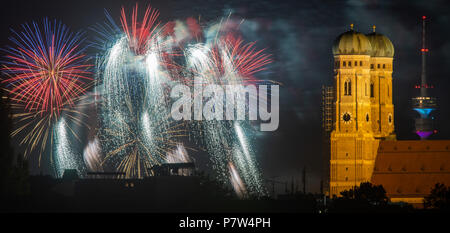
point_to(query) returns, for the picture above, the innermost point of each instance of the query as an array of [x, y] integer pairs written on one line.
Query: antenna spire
[[424, 50]]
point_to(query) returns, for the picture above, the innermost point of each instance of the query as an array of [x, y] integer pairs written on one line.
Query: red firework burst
[[246, 59], [140, 33], [46, 69], [231, 54]]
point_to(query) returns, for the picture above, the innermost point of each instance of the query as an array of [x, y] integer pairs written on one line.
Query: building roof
[[352, 43], [381, 45], [411, 168]]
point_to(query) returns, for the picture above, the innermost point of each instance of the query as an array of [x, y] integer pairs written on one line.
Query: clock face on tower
[[346, 117]]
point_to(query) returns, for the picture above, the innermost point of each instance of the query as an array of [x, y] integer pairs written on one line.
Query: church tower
[[363, 106], [380, 88]]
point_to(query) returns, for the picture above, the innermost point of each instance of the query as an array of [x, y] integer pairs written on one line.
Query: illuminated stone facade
[[363, 106]]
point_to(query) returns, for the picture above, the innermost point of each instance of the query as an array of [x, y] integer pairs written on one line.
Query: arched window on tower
[[371, 90], [365, 89], [387, 90], [345, 88], [348, 87]]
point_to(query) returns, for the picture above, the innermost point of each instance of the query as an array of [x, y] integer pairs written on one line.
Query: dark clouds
[[299, 34]]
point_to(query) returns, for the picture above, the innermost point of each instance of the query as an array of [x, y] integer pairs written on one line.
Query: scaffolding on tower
[[328, 106]]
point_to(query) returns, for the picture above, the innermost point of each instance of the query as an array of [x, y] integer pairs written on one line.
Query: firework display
[[135, 123], [46, 74], [140, 34], [228, 61], [47, 67], [136, 66]]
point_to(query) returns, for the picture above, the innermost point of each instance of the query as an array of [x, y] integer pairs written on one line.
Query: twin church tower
[[363, 109]]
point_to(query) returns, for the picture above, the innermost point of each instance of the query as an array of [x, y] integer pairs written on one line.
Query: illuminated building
[[362, 140], [409, 169], [364, 113]]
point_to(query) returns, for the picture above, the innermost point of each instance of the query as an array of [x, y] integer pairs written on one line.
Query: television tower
[[424, 104]]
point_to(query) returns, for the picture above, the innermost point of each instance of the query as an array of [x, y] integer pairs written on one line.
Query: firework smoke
[[92, 156]]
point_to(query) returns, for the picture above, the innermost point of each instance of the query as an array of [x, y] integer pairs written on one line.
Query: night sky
[[300, 36]]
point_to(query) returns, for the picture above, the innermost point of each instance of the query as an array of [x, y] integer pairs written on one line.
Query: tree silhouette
[[439, 198], [373, 194], [366, 197]]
